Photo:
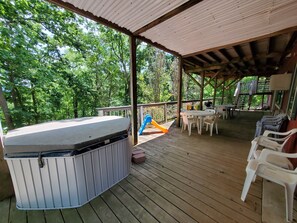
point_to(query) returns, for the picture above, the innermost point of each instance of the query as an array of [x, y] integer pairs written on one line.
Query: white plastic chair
[[187, 122], [222, 110], [211, 121], [287, 178], [274, 143]]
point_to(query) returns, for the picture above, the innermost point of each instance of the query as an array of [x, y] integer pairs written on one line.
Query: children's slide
[[163, 129], [148, 119]]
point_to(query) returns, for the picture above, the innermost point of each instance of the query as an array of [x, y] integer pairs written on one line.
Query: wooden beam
[[133, 89], [200, 69], [215, 92], [223, 91], [214, 56], [197, 61], [194, 79], [287, 30], [179, 90], [253, 49], [201, 90], [167, 16], [290, 45], [236, 80], [161, 47]]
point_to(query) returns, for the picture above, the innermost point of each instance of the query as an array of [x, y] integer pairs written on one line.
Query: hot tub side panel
[[67, 182]]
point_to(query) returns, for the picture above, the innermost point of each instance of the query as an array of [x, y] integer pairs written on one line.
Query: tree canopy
[[56, 65]]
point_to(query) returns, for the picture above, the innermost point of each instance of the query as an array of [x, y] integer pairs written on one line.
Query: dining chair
[[221, 109], [274, 173], [188, 122], [210, 122]]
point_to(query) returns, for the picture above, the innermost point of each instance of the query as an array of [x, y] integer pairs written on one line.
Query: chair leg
[[289, 190], [217, 129], [190, 128], [210, 129], [250, 174], [252, 149]]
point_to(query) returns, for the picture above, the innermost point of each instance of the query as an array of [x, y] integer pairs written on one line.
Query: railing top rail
[[148, 105]]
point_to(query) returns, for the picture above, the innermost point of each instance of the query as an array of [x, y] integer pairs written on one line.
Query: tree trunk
[[7, 115]]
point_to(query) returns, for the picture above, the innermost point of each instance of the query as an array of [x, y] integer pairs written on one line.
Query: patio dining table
[[200, 117]]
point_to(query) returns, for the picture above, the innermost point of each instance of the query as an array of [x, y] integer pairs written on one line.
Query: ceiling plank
[[89, 15], [167, 16], [287, 30], [107, 23]]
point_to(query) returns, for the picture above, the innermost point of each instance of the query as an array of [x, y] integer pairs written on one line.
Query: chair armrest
[[269, 132], [272, 166], [267, 152]]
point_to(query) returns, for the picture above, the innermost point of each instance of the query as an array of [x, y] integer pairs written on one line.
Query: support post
[[179, 90], [201, 90], [133, 89], [223, 92], [215, 92], [165, 112]]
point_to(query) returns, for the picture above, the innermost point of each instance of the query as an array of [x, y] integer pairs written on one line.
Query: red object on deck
[[138, 156]]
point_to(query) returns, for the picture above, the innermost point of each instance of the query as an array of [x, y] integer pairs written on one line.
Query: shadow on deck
[[194, 178]]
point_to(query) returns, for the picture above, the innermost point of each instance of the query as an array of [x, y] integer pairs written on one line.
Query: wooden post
[[215, 92], [133, 89], [165, 112], [179, 90], [223, 91], [141, 114], [201, 90]]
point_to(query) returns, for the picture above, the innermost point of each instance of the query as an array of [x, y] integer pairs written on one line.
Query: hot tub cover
[[71, 134]]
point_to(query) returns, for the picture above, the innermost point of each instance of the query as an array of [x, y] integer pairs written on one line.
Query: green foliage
[[56, 65]]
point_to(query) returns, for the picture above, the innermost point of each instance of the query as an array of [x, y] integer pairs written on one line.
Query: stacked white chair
[[274, 173]]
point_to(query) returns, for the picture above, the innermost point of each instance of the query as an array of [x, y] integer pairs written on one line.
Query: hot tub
[[65, 164]]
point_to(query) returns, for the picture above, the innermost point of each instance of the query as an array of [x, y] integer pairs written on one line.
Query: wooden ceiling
[[226, 38], [262, 57]]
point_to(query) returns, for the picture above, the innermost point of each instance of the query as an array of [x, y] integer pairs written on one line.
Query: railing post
[[165, 112], [141, 114]]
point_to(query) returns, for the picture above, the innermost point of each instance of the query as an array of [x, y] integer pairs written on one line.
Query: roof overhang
[[204, 32]]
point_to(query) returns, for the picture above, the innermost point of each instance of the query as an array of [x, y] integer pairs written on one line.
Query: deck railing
[[161, 112]]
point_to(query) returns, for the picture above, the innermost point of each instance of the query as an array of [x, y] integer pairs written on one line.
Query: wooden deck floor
[[184, 179]]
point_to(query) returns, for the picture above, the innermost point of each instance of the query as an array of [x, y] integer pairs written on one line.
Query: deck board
[[170, 208], [103, 211], [53, 216], [157, 211], [208, 199], [15, 215], [188, 198], [70, 215], [138, 211], [194, 178], [88, 214], [118, 208], [4, 210], [36, 216]]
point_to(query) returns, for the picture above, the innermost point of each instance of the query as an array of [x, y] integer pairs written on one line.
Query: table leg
[[201, 125]]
